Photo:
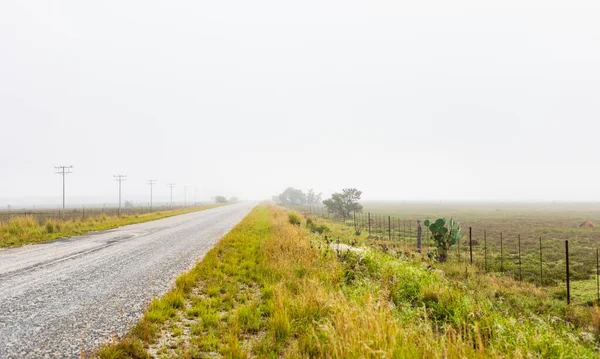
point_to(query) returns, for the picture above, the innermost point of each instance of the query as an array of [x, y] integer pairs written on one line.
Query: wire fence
[[41, 216], [571, 266]]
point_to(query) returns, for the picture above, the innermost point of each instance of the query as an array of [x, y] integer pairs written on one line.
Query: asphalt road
[[60, 297]]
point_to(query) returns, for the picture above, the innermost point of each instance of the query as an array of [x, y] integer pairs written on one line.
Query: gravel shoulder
[[62, 297]]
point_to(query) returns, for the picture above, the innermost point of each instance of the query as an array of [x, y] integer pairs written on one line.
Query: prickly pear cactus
[[445, 235]]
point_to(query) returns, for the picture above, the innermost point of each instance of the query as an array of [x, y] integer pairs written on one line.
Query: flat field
[[46, 226], [496, 228]]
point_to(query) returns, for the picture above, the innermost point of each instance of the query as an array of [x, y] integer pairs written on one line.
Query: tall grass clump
[[22, 225], [50, 226], [294, 218]]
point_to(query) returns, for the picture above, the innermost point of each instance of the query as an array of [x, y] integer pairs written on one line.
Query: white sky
[[432, 100]]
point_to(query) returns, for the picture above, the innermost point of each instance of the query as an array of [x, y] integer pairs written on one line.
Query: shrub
[[314, 228], [310, 224], [49, 227], [294, 218], [322, 229]]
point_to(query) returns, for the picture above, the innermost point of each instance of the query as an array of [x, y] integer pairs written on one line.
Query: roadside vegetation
[[285, 285], [26, 229], [497, 229]]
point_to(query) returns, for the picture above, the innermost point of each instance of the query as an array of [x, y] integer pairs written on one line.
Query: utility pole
[[185, 195], [151, 183], [63, 170], [171, 185], [120, 179]]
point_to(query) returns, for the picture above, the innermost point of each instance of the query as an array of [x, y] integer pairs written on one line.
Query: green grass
[[552, 223], [25, 230], [272, 289]]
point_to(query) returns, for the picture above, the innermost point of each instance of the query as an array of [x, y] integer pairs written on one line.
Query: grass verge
[[273, 289], [26, 229]]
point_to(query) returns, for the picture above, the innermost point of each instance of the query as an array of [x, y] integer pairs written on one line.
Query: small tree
[[444, 236], [312, 198], [220, 199], [292, 196], [344, 203]]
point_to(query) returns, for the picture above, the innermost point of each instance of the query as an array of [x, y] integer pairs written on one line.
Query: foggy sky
[[431, 100]]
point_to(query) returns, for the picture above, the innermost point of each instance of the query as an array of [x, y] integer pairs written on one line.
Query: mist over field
[[308, 179], [406, 101]]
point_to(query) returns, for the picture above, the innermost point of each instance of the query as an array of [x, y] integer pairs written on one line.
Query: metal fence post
[[501, 255], [597, 275], [389, 228], [369, 219], [520, 271], [568, 274], [418, 235], [541, 263], [458, 248], [485, 250]]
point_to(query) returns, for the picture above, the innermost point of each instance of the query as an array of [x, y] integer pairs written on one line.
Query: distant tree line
[[223, 199], [296, 197], [341, 204]]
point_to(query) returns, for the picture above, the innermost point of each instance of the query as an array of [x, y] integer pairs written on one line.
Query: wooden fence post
[[471, 244]]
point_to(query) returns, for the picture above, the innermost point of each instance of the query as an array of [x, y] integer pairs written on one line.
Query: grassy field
[[548, 225], [273, 289], [25, 229]]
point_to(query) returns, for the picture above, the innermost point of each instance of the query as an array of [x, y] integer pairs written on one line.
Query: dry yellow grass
[[26, 229]]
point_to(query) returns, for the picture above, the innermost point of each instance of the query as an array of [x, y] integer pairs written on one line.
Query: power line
[[171, 185], [63, 170], [120, 179], [151, 183]]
